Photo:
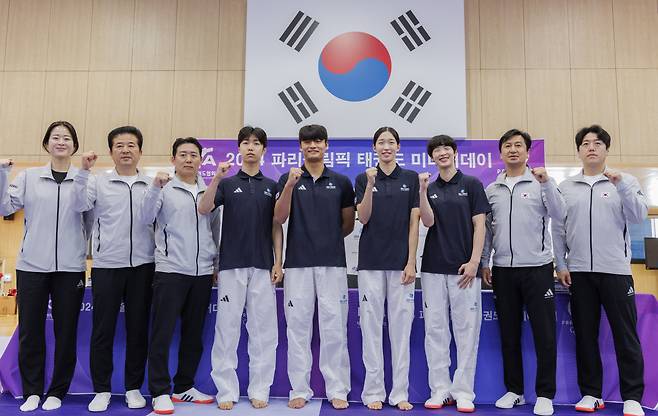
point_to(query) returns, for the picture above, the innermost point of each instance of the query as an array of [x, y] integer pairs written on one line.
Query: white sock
[[30, 404], [51, 403]]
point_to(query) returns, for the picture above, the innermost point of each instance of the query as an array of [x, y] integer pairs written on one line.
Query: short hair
[[440, 140], [382, 130], [515, 132], [125, 130], [257, 132], [600, 132], [312, 132], [71, 129], [180, 141]]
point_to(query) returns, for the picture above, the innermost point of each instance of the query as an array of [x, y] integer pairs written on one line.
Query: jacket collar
[[526, 177], [580, 177], [177, 183], [114, 176], [47, 172]]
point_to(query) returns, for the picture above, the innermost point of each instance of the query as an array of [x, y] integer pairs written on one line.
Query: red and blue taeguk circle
[[354, 66]]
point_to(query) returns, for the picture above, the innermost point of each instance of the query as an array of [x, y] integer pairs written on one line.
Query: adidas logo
[[462, 193], [630, 292], [81, 284], [237, 190], [224, 299], [404, 188], [374, 189], [548, 294], [301, 188], [290, 304], [434, 196], [364, 299]]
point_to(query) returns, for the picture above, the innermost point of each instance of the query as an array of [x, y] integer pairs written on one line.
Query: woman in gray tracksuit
[[50, 265]]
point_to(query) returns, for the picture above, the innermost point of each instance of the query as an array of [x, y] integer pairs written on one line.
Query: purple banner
[[350, 157], [488, 379]]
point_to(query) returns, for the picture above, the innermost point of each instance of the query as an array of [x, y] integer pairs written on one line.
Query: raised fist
[[294, 175], [424, 180], [5, 163], [371, 174], [89, 159], [161, 179], [540, 174], [222, 168], [613, 176]]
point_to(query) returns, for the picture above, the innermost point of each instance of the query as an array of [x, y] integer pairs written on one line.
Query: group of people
[[157, 249]]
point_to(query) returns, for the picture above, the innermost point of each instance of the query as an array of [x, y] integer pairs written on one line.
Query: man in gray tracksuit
[[185, 262], [593, 255], [522, 201], [123, 267]]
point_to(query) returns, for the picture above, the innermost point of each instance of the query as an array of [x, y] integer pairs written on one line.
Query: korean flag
[[355, 66]]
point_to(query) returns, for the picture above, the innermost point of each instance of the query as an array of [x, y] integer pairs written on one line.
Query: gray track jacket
[[185, 241], [119, 240], [517, 227], [55, 237], [594, 236]]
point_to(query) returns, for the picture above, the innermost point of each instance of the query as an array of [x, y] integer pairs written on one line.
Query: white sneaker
[[31, 403], [100, 402], [192, 395], [632, 408], [437, 402], [51, 403], [135, 400], [543, 407], [510, 400], [589, 404], [465, 406], [162, 405]]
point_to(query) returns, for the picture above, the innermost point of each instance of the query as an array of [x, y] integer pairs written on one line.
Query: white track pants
[[301, 287], [253, 289], [375, 286], [442, 296]]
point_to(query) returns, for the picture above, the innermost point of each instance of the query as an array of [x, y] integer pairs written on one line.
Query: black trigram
[[297, 102], [412, 100], [298, 31], [412, 33]]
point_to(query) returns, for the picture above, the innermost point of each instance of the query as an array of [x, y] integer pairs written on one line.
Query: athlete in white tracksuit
[[248, 272], [454, 208], [387, 204], [319, 206]]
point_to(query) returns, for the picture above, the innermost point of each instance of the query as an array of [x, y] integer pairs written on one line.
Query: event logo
[[354, 66]]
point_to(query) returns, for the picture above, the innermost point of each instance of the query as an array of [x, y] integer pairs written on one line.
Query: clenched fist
[[293, 176], [222, 168], [371, 175], [540, 174], [613, 176], [5, 163], [88, 160], [424, 180], [161, 179]]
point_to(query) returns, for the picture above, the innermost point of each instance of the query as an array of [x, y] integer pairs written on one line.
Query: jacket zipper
[[164, 230], [196, 214], [99, 235], [624, 235], [511, 205], [57, 227], [24, 233], [543, 232], [591, 250], [130, 193]]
